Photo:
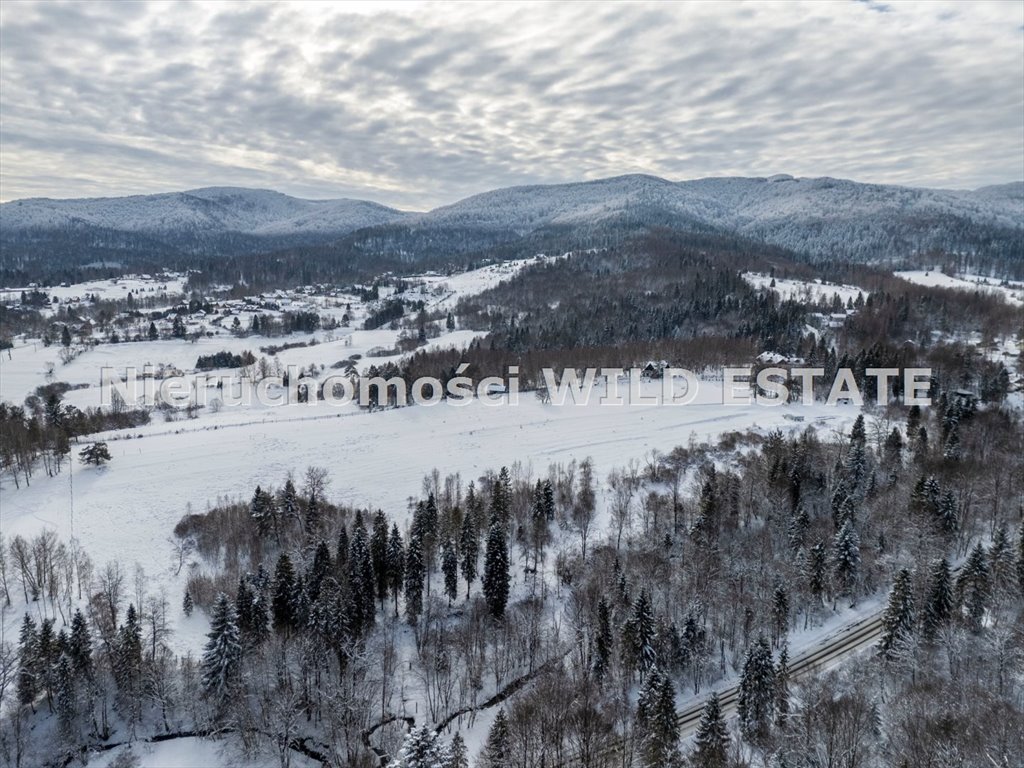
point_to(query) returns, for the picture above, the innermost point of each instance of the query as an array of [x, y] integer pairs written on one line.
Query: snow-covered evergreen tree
[[712, 738], [657, 724], [939, 608], [846, 556], [497, 751], [757, 689], [638, 636], [469, 548], [898, 619], [283, 607], [602, 641], [974, 586], [496, 565], [782, 686], [222, 656], [395, 564], [414, 578], [422, 749], [450, 568]]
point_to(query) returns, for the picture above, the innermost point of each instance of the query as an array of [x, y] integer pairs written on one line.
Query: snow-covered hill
[[810, 215], [212, 210], [821, 216]]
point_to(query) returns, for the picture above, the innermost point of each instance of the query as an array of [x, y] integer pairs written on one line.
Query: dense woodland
[[577, 603]]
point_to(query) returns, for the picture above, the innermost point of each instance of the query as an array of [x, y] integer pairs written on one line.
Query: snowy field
[[1012, 291], [169, 286], [805, 290]]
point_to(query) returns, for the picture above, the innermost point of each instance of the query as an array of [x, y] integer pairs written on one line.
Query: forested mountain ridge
[[820, 218]]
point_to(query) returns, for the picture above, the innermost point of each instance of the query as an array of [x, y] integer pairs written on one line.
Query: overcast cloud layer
[[419, 105]]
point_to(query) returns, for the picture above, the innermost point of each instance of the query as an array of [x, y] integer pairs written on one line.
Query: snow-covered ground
[[805, 290], [190, 752], [1012, 291], [171, 285]]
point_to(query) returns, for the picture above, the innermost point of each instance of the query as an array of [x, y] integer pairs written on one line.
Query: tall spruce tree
[[395, 564], [80, 646], [497, 751], [757, 690], [782, 686], [939, 608], [450, 568], [28, 663], [361, 581], [413, 578], [639, 636], [222, 656], [711, 741], [379, 555], [283, 607], [898, 619], [496, 565], [603, 641], [657, 724], [846, 557], [974, 587], [469, 548]]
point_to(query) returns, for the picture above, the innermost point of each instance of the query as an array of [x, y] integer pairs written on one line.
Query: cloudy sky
[[416, 105]]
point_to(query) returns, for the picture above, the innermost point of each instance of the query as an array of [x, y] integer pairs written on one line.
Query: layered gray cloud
[[416, 105]]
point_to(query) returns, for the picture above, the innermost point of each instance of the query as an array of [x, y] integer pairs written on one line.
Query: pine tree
[[947, 514], [846, 556], [799, 524], [65, 699], [757, 690], [48, 652], [450, 568], [497, 751], [289, 502], [379, 555], [459, 757], [939, 608], [413, 578], [782, 686], [549, 501], [153, 333], [312, 517], [469, 548], [251, 614], [80, 646], [187, 604], [712, 737], [638, 636], [396, 564], [422, 749], [974, 587], [496, 564], [283, 608], [341, 552], [319, 570], [657, 725], [28, 663], [65, 336], [603, 641], [501, 494], [780, 613], [898, 619], [361, 580], [128, 652], [1000, 560], [222, 656], [817, 570]]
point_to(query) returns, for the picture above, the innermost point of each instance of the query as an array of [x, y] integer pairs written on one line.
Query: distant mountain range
[[821, 217]]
